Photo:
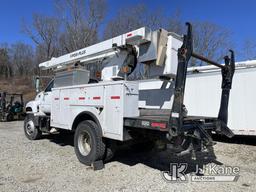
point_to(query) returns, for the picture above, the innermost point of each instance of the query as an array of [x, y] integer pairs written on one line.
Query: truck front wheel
[[32, 132], [88, 143]]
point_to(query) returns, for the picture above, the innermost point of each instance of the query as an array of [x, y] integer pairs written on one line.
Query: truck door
[[45, 104]]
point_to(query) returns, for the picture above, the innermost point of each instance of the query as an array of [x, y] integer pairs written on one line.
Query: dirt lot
[[50, 164]]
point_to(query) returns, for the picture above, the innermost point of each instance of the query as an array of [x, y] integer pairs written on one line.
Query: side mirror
[[37, 84]]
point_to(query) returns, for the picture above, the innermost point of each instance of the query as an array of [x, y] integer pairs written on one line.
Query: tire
[[31, 131], [89, 146], [10, 117], [110, 150]]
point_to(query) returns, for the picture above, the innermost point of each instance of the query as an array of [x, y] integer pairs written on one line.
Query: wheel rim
[[84, 143], [30, 127]]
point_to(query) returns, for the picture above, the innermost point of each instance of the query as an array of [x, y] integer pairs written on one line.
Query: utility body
[[108, 110]]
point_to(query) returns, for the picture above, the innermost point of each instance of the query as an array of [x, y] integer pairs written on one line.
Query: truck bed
[[156, 119]]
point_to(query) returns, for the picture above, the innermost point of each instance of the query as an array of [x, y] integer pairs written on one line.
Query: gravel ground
[[50, 164]]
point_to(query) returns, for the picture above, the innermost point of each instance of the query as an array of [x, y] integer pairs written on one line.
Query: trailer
[[241, 104], [105, 111]]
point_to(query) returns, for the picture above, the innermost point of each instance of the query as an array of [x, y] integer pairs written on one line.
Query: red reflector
[[115, 97], [81, 98], [160, 125], [66, 98], [129, 34], [96, 98]]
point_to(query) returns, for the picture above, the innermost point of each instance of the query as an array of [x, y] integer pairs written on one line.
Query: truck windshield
[[49, 86]]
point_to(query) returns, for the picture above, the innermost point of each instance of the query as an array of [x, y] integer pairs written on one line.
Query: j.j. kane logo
[[205, 173]]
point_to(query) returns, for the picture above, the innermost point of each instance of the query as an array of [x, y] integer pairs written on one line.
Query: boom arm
[[100, 50]]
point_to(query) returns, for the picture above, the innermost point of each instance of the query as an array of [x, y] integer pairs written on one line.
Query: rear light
[[129, 34], [160, 125]]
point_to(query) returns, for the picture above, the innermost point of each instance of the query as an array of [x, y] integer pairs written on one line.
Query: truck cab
[[42, 102]]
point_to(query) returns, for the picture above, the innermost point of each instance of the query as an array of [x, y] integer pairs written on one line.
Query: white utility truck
[[109, 109]]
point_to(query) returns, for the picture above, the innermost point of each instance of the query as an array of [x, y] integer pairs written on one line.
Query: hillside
[[19, 85]]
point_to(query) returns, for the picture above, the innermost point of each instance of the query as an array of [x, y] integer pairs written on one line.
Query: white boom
[[100, 50], [138, 46]]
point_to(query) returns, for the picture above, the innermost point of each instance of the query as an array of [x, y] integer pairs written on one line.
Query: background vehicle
[[105, 111], [242, 101], [11, 106]]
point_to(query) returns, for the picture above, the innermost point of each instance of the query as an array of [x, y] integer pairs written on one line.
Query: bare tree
[[131, 18], [175, 24], [81, 20], [249, 49], [44, 31], [5, 64], [22, 58], [78, 22], [210, 40]]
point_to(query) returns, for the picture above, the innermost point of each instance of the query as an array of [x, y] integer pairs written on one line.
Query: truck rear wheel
[[110, 150], [89, 146], [31, 131]]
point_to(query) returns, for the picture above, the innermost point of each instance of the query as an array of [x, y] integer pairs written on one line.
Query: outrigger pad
[[98, 165], [226, 131]]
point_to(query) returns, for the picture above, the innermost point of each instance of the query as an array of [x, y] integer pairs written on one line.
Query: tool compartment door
[[60, 115], [55, 108], [113, 111]]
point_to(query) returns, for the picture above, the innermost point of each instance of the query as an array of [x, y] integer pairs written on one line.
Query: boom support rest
[[178, 110], [184, 55]]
